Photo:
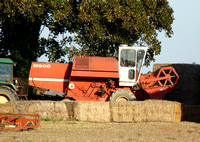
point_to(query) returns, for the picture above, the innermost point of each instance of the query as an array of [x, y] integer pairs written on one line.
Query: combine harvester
[[103, 78]]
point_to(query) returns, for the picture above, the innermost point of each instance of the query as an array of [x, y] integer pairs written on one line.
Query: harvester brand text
[[41, 65]]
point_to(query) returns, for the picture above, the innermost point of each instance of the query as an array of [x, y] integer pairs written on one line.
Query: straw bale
[[92, 111], [191, 113], [142, 111], [122, 111], [157, 110], [54, 110], [70, 109], [7, 108]]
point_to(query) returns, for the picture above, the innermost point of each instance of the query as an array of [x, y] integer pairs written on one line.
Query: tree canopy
[[87, 27]]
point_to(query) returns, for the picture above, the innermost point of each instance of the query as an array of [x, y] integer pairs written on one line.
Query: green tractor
[[10, 88]]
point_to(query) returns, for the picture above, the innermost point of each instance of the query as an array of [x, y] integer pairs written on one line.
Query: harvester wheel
[[122, 95], [7, 94]]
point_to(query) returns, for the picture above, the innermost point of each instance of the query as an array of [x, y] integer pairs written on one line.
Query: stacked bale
[[54, 110], [7, 108], [136, 111], [122, 111], [158, 110], [187, 90], [70, 109], [92, 111], [143, 111]]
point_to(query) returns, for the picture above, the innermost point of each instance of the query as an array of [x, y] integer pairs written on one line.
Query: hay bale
[[92, 111], [122, 111], [191, 113], [70, 109], [54, 110], [7, 108], [157, 110], [143, 111]]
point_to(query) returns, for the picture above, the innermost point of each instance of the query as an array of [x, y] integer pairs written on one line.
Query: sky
[[183, 46]]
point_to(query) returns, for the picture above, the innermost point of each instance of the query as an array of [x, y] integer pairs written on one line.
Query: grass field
[[53, 131]]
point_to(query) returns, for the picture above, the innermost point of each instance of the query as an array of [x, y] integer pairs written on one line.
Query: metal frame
[[19, 121]]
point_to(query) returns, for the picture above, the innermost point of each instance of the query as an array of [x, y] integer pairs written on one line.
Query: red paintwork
[[19, 121], [47, 71], [89, 74], [159, 84], [95, 78], [103, 67]]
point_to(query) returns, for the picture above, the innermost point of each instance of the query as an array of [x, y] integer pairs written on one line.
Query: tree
[[106, 24], [94, 27], [20, 23]]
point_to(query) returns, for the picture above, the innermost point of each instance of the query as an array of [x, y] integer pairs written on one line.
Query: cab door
[[130, 63]]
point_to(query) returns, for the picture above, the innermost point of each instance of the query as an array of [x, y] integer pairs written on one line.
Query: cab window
[[5, 72], [128, 57]]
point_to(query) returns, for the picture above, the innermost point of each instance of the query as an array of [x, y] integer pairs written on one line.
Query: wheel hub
[[121, 99], [3, 99]]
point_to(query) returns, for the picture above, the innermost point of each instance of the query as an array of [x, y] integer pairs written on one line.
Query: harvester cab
[[131, 60]]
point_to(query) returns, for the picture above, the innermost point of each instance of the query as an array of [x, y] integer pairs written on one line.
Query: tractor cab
[[6, 70], [131, 60], [10, 88]]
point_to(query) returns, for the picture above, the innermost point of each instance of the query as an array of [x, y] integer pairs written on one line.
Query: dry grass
[[70, 131]]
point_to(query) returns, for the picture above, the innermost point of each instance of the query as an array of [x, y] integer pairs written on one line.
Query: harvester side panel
[[103, 67], [89, 78], [53, 76]]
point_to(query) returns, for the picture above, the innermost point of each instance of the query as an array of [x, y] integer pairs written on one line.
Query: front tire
[[7, 94], [122, 95]]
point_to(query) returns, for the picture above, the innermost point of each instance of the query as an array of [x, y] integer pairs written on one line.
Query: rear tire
[[7, 94], [122, 95]]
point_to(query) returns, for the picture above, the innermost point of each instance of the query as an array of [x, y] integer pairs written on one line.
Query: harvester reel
[[171, 75]]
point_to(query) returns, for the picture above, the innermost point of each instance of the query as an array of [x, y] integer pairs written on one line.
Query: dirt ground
[[53, 131]]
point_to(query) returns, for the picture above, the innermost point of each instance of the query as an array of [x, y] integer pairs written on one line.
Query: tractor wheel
[[7, 94], [122, 95]]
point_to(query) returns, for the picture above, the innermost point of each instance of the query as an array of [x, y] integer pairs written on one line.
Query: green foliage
[[49, 119], [88, 27], [107, 24], [149, 72], [46, 119]]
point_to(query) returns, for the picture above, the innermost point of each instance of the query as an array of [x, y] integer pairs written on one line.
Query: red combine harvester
[[103, 78]]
